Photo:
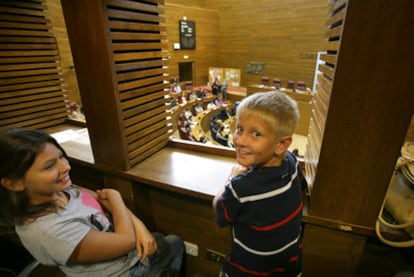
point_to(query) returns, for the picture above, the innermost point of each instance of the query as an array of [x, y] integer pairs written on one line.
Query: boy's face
[[256, 142]]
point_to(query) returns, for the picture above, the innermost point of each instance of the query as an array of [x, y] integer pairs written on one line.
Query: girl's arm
[[96, 245], [146, 244]]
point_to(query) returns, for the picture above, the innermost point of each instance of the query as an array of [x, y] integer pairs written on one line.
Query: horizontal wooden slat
[[47, 122], [135, 148], [37, 90], [334, 32], [144, 115], [331, 45], [37, 102], [331, 59], [131, 56], [32, 5], [25, 26], [139, 65], [28, 60], [314, 148], [24, 18], [130, 46], [135, 16], [40, 114], [130, 103], [19, 53], [12, 10], [336, 18], [17, 100], [138, 110], [323, 96], [325, 83], [321, 100], [150, 133], [30, 85], [29, 33], [24, 77], [134, 26], [140, 125], [327, 70], [149, 149], [141, 83], [157, 90], [338, 5], [30, 110], [133, 138], [16, 70], [133, 36], [14, 39], [28, 46], [319, 115], [317, 127], [122, 77], [138, 6]]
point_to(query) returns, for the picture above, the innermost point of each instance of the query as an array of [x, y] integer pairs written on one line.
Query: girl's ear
[[12, 185]]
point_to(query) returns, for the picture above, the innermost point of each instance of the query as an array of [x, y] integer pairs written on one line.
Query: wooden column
[[87, 30], [117, 50]]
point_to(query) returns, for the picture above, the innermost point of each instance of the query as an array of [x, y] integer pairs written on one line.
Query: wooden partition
[[353, 123], [31, 87], [118, 47], [363, 108]]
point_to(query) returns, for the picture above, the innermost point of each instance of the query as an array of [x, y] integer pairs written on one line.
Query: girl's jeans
[[169, 255]]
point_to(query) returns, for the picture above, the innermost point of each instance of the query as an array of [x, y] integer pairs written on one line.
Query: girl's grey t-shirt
[[51, 239]]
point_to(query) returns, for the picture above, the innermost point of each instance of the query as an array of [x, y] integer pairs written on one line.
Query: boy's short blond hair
[[275, 107]]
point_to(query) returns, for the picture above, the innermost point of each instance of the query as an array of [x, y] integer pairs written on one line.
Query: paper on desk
[[80, 136]]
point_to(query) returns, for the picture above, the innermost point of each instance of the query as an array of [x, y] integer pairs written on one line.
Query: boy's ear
[[283, 145], [12, 185]]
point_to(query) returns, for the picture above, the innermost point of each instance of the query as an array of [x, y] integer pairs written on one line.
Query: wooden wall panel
[[207, 38], [31, 84], [285, 35]]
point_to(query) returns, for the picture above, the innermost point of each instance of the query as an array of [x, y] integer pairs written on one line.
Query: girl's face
[[256, 143], [48, 175]]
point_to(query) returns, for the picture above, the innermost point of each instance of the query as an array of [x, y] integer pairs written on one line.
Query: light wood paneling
[[285, 35], [207, 38]]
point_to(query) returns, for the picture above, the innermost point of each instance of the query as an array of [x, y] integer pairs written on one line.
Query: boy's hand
[[237, 170]]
